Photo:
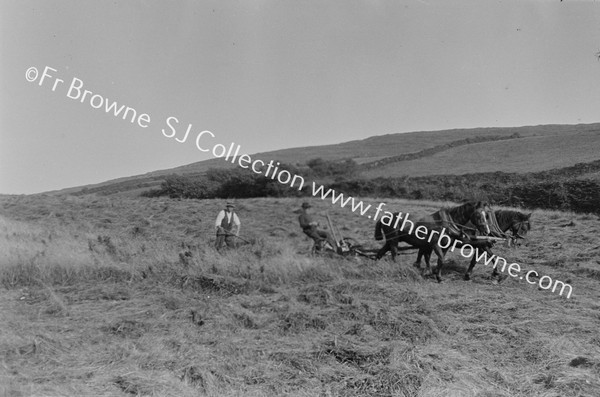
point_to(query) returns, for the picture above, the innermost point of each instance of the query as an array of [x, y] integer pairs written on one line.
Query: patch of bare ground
[[128, 298]]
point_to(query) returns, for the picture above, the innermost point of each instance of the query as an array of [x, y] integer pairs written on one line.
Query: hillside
[[108, 296], [521, 155], [450, 152]]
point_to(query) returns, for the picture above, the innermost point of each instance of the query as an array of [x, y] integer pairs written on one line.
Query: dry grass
[[126, 297]]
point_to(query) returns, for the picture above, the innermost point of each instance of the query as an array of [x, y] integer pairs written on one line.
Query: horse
[[518, 223], [447, 222]]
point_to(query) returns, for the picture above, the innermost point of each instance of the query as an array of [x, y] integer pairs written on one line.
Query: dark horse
[[449, 224], [517, 222]]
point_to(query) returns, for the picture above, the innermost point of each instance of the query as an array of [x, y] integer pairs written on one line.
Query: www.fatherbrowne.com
[[421, 232]]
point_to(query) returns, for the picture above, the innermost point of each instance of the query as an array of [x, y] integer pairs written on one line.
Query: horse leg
[[417, 263], [440, 262], [496, 273], [390, 245], [489, 254], [383, 250], [394, 249], [467, 275], [427, 255]]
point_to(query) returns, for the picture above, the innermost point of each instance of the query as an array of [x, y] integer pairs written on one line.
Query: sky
[[274, 74]]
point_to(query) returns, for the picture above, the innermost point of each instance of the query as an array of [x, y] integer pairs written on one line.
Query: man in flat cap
[[310, 228], [226, 222]]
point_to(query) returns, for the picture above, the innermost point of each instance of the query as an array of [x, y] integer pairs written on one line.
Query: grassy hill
[[519, 155], [112, 296], [449, 152]]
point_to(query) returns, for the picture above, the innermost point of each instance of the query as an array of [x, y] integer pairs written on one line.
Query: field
[[107, 296], [522, 155]]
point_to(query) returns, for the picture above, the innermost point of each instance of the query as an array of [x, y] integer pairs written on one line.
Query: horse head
[[480, 217], [520, 225]]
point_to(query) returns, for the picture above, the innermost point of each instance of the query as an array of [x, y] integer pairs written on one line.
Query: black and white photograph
[[329, 198]]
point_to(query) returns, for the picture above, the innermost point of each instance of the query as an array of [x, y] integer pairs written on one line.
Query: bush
[[333, 169], [554, 189], [224, 183]]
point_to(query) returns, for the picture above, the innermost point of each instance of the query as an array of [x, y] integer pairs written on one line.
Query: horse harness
[[444, 220]]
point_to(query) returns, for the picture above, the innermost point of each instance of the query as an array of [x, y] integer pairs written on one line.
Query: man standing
[[226, 222], [310, 228]]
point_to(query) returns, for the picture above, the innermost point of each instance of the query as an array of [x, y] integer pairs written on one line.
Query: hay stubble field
[[126, 297]]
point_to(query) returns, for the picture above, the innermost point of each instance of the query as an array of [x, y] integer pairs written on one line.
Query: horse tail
[[378, 234]]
